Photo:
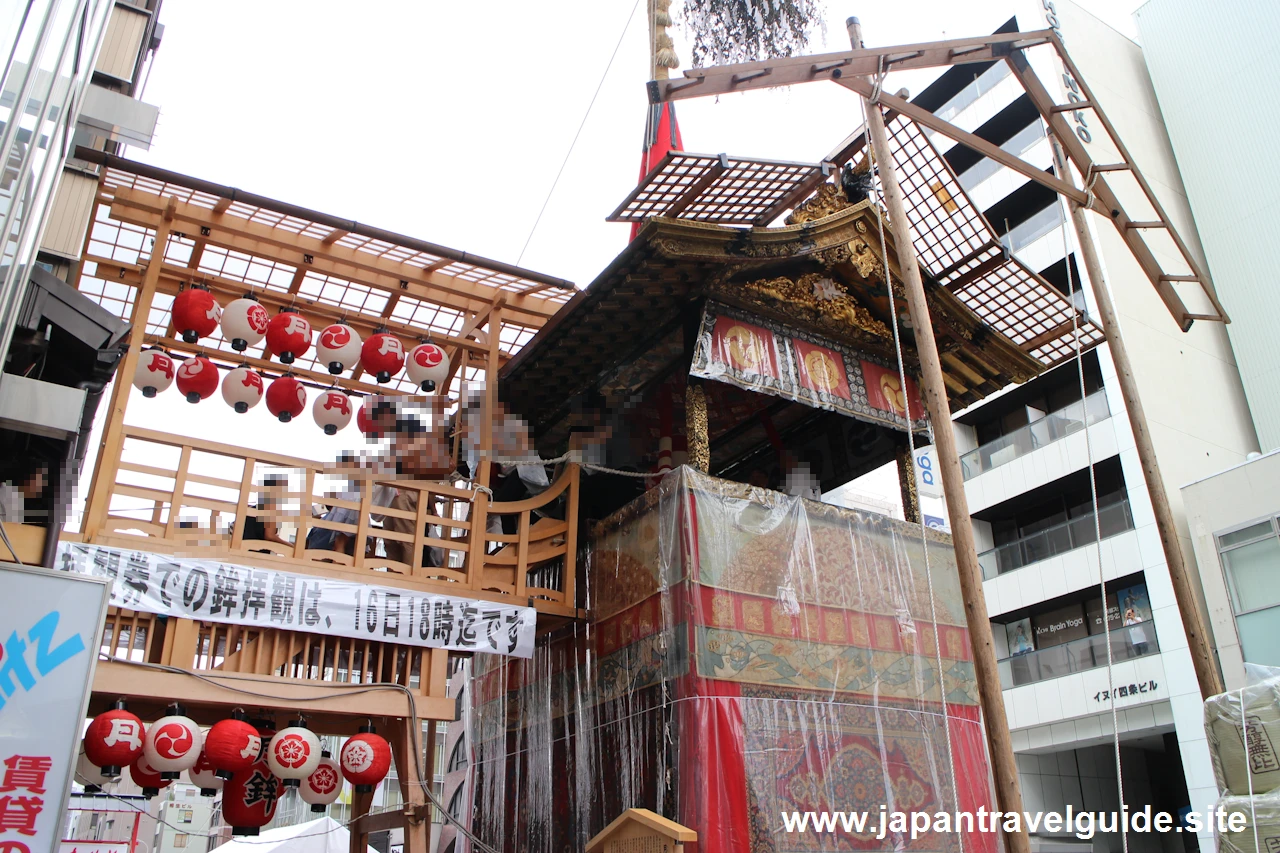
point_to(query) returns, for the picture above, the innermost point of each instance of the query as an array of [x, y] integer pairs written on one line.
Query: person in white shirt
[[801, 480]]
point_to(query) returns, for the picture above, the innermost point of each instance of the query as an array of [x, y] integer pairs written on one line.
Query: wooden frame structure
[[863, 71], [154, 233]]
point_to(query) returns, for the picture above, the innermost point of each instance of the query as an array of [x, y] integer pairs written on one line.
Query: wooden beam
[[1202, 659], [770, 73], [796, 196], [282, 694], [933, 385], [263, 240], [924, 117]]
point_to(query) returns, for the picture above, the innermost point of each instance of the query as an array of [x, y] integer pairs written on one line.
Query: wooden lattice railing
[[187, 496]]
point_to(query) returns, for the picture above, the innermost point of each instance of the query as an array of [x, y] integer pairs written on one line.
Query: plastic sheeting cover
[[750, 654]]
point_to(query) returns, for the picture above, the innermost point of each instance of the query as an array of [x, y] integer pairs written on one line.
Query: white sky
[[448, 122]]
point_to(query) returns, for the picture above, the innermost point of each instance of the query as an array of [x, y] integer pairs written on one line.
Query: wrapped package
[[1262, 824], [1242, 723], [750, 654]]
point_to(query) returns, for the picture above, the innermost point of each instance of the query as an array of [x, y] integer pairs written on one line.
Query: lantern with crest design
[[197, 379], [288, 335], [293, 753], [172, 743], [323, 787], [365, 759], [244, 322], [154, 372], [427, 366], [338, 348], [202, 775], [147, 777], [286, 398], [195, 313], [242, 389]]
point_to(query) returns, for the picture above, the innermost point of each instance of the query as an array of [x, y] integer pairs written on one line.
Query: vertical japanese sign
[[50, 625]]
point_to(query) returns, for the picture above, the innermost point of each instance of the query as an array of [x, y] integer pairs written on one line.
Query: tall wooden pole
[[1206, 668], [999, 740]]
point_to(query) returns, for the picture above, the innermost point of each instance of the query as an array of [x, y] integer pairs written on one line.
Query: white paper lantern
[[88, 774], [172, 744], [428, 367], [242, 389], [332, 410], [339, 348], [154, 372], [293, 754], [202, 775], [244, 323], [324, 785]]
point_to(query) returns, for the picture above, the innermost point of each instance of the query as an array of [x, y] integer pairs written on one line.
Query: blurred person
[[266, 527], [20, 495]]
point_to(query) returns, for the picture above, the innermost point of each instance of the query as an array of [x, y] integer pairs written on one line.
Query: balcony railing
[[182, 495], [1127, 642], [1036, 434], [1065, 536]]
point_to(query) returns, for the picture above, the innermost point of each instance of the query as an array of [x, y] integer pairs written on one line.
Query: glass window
[[180, 840], [1248, 534], [1253, 572], [1260, 636]]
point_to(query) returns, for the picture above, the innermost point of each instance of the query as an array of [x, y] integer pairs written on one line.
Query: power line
[[587, 115]]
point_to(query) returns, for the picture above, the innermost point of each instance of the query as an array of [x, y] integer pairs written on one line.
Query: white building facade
[[1027, 454]]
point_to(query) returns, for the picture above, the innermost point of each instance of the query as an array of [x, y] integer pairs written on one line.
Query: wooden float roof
[[955, 243], [627, 328]]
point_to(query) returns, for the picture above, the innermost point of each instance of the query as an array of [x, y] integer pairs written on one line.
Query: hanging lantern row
[[242, 389], [250, 763], [246, 322]]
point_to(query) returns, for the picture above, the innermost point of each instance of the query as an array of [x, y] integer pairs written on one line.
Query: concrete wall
[[1215, 71], [1244, 493]]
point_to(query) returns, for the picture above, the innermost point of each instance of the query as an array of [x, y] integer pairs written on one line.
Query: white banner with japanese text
[[50, 625], [212, 591]]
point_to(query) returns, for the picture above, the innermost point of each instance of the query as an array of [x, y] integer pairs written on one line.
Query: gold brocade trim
[[907, 482], [823, 298], [696, 427]]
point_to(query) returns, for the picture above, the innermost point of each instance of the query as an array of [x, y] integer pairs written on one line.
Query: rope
[[911, 444], [1097, 519], [583, 124]]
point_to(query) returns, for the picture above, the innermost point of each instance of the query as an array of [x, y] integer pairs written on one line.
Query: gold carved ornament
[[697, 429]]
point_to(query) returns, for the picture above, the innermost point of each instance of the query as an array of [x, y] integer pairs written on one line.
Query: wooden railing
[[277, 655], [187, 496]]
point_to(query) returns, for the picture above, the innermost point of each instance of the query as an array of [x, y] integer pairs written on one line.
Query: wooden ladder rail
[[1106, 200]]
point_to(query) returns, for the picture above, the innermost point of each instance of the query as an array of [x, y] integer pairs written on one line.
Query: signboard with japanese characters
[[761, 355], [211, 591], [50, 626]]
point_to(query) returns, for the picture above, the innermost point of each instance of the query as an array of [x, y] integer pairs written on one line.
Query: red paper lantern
[[232, 745], [332, 411], [323, 787], [154, 372], [114, 740], [338, 348], [294, 753], [249, 799], [197, 379], [202, 775], [427, 366], [365, 759], [286, 398], [382, 356], [196, 313], [147, 777], [242, 389], [173, 743], [244, 323], [288, 335]]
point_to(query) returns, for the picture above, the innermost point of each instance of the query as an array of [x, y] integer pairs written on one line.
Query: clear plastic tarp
[[749, 655]]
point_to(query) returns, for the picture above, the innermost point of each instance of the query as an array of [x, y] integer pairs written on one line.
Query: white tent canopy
[[324, 835]]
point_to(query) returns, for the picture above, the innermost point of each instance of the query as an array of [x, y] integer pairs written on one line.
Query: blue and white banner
[[211, 591]]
